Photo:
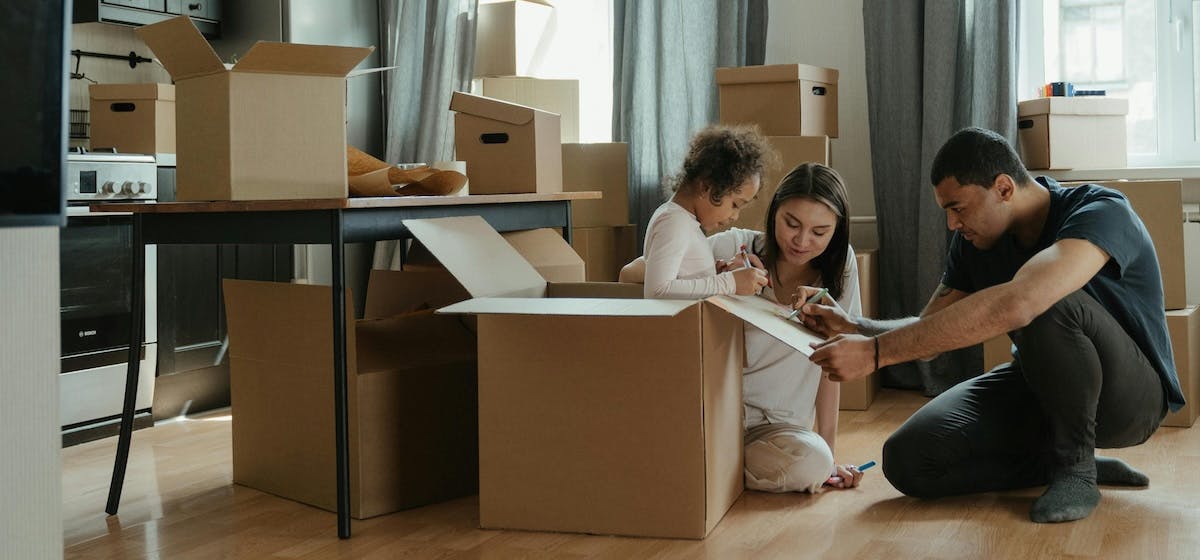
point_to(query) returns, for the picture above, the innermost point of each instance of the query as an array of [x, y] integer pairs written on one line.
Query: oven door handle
[[87, 211]]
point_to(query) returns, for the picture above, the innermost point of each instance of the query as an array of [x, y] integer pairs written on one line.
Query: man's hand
[[845, 357], [826, 318]]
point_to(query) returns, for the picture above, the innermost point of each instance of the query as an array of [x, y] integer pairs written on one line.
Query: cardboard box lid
[[546, 250], [482, 261], [570, 306], [775, 73], [162, 92], [183, 51], [764, 315], [494, 109], [1073, 106], [270, 57]]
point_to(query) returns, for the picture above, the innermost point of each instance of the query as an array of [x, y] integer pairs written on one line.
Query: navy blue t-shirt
[[1129, 285]]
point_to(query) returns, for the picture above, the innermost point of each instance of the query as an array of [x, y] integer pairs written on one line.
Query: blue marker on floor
[[863, 467]]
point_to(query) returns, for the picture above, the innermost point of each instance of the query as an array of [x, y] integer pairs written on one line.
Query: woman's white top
[[679, 261], [779, 383]]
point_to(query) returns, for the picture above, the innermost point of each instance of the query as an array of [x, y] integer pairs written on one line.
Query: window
[[1140, 50]]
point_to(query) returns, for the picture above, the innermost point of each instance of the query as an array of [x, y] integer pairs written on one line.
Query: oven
[[95, 250]]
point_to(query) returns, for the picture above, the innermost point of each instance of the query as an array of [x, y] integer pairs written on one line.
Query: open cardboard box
[[606, 416]]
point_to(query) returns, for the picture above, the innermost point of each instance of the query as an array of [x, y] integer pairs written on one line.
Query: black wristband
[[876, 339]]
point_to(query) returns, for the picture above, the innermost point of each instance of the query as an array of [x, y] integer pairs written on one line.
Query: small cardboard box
[[600, 167], [792, 150], [1184, 328], [508, 148], [1072, 132], [606, 416], [782, 99], [510, 37], [1160, 206], [133, 118], [553, 96], [858, 395], [272, 127], [605, 250], [281, 357]]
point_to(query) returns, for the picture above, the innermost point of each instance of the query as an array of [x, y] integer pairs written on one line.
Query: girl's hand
[[844, 476], [749, 281]]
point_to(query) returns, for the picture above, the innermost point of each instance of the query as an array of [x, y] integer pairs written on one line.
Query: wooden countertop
[[335, 203]]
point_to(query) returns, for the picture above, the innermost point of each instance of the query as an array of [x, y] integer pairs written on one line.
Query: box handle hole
[[818, 90], [494, 138], [124, 107], [1025, 123]]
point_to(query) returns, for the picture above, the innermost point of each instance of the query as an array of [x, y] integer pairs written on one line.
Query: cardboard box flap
[[291, 58], [414, 341], [570, 306], [163, 92], [494, 109], [1073, 106], [775, 73], [392, 292], [765, 315], [183, 51], [478, 257], [544, 247]]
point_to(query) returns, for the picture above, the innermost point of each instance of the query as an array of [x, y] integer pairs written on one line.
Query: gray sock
[[1115, 472], [1071, 495]]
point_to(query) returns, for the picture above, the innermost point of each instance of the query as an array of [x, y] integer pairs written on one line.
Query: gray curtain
[[432, 45], [666, 53], [933, 67]]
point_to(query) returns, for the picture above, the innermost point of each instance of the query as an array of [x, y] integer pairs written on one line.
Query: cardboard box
[[281, 356], [133, 118], [996, 351], [272, 127], [1160, 206], [858, 395], [782, 99], [508, 148], [600, 167], [792, 150], [544, 249], [605, 250], [510, 37], [1191, 261], [553, 96], [1184, 328], [1072, 132], [607, 416]]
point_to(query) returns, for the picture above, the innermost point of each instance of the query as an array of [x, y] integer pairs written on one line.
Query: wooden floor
[[179, 503]]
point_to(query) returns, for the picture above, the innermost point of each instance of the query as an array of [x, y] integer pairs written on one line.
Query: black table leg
[[340, 408], [137, 304]]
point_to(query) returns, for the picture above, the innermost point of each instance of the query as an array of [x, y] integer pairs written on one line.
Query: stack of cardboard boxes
[[1160, 206]]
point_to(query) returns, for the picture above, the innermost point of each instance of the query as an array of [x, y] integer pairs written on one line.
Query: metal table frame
[[333, 227]]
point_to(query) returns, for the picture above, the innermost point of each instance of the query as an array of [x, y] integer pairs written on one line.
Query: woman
[[791, 410]]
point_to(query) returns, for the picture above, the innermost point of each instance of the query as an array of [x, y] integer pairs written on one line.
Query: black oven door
[[95, 264]]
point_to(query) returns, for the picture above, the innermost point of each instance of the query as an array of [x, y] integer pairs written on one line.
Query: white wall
[[30, 484], [830, 34]]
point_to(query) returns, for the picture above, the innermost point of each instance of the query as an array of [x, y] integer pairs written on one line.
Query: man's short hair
[[975, 156]]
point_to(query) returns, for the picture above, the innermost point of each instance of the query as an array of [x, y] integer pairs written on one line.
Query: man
[[1072, 277]]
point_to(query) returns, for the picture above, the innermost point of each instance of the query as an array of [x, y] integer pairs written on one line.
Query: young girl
[[720, 175], [791, 410]]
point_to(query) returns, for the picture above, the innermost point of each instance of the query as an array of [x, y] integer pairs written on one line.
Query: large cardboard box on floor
[[858, 395], [1184, 328], [281, 361], [509, 148], [272, 127], [510, 37], [1072, 132], [604, 167], [782, 99], [553, 96], [607, 416], [792, 150], [1160, 206], [133, 118], [605, 250]]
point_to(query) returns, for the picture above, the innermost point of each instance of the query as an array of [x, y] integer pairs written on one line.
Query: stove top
[[106, 154], [104, 175]]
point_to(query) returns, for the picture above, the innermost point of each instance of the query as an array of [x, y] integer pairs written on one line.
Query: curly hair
[[721, 158]]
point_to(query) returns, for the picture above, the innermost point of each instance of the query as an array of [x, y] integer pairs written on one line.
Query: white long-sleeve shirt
[[679, 259], [779, 384]]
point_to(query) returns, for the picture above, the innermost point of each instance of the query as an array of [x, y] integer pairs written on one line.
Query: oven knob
[[142, 187], [127, 187], [108, 187]]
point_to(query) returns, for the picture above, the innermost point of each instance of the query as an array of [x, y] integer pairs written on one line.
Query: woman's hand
[[844, 476], [826, 318]]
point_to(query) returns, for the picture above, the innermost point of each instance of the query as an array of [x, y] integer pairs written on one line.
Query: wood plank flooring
[[179, 503]]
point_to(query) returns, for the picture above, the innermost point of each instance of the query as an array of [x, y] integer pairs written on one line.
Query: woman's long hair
[[819, 183]]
